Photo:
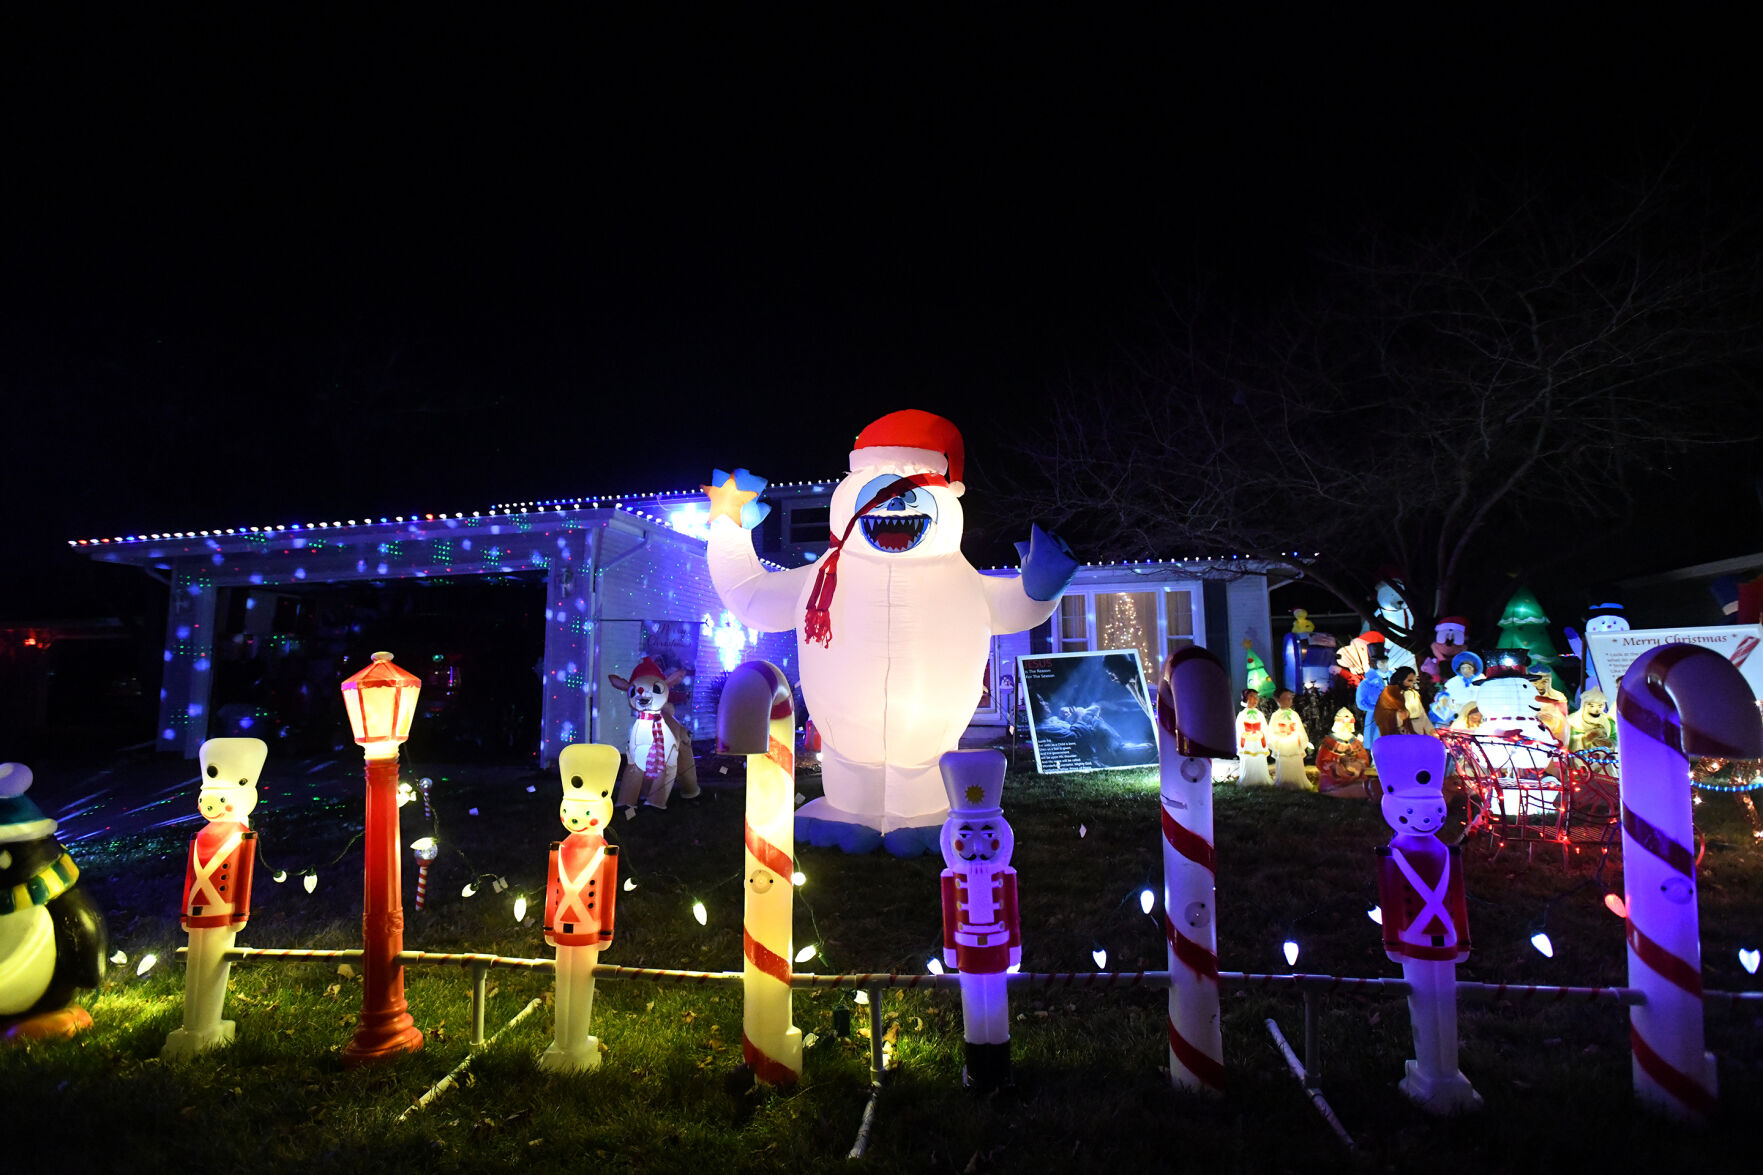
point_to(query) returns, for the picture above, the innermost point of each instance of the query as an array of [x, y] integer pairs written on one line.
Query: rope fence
[[1296, 983]]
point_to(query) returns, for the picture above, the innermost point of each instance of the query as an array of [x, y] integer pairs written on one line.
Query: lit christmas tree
[[1259, 680], [1524, 625]]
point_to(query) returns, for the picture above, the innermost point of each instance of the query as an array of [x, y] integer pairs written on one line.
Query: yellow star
[[727, 499]]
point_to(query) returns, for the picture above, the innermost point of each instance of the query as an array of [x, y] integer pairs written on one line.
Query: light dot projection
[[611, 564]]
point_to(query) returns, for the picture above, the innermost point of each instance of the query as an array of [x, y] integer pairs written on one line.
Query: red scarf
[[657, 747], [817, 623]]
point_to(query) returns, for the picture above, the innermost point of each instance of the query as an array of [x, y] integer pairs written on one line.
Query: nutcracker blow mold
[[893, 623], [579, 900], [217, 889], [982, 933], [1425, 918]]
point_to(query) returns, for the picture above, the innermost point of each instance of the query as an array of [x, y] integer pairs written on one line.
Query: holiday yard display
[[893, 624], [1251, 742], [217, 889], [579, 900], [1341, 759], [660, 745], [1425, 915], [1193, 728], [1677, 702], [757, 718], [52, 934], [982, 932], [1290, 742]]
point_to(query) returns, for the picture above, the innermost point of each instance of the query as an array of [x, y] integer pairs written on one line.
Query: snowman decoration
[[1601, 618], [52, 934], [1252, 742], [579, 900], [982, 931], [1519, 748], [893, 623], [1398, 621], [217, 889], [1425, 916]]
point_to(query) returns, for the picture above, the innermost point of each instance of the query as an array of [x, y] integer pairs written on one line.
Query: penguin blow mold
[[893, 623], [52, 934]]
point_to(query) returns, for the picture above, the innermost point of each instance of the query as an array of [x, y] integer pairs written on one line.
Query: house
[[622, 577]]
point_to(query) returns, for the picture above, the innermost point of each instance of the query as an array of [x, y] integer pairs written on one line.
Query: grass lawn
[[1092, 1091]]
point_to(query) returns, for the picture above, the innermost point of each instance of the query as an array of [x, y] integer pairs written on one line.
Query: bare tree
[[1505, 382]]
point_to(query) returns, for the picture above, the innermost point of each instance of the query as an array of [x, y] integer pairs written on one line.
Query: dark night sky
[[287, 269]]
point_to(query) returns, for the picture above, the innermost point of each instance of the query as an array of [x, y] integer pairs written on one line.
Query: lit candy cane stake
[[756, 718], [579, 899], [1425, 917], [982, 931], [426, 851], [1194, 727], [1676, 701], [217, 889]]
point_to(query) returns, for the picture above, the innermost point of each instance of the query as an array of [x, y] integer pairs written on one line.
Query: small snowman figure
[[1252, 743], [52, 934], [217, 889], [579, 900], [982, 933], [1425, 917]]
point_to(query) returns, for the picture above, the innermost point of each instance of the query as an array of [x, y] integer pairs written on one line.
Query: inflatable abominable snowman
[[893, 623]]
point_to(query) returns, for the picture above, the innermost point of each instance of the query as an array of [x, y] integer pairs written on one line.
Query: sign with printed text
[[1613, 652], [1088, 711]]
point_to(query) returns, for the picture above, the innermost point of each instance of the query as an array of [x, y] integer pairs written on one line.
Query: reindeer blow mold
[[660, 745], [893, 623]]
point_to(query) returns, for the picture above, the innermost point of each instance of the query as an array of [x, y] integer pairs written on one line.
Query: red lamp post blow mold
[[381, 700]]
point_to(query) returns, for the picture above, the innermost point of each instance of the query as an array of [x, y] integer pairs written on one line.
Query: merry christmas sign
[[1614, 652]]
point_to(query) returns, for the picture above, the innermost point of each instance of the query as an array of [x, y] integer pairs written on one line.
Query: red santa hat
[[647, 668], [912, 437]]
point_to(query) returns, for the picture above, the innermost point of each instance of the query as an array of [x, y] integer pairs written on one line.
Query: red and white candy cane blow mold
[[579, 899], [217, 889], [1194, 726], [1676, 701], [757, 718], [1425, 915]]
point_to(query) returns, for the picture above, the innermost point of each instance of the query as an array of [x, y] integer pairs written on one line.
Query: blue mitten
[[1047, 564], [754, 512]]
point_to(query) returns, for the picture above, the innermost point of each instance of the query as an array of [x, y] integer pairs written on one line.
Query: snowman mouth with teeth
[[900, 523]]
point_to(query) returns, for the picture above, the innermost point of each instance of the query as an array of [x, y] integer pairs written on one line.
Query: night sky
[[298, 268]]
